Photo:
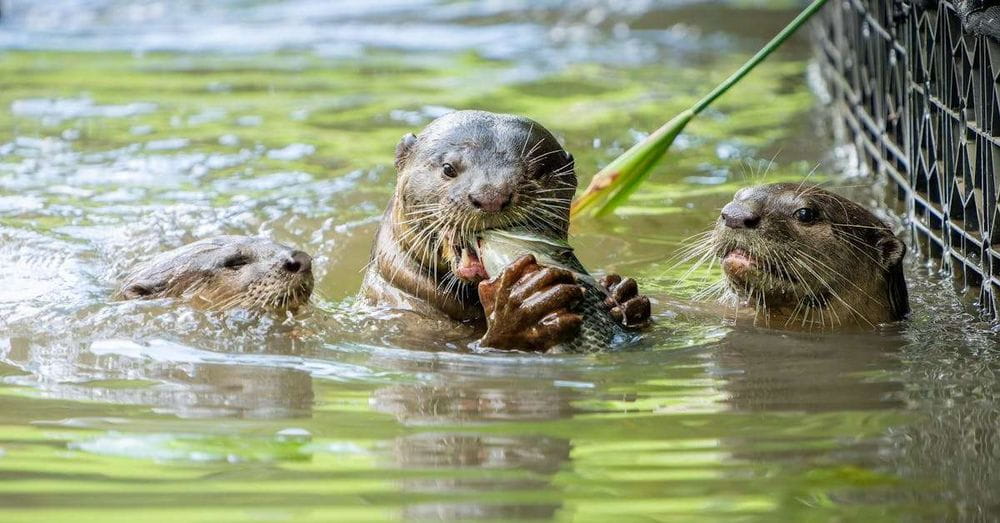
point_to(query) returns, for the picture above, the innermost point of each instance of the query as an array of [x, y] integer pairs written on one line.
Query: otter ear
[[893, 250], [403, 149], [568, 168], [140, 289]]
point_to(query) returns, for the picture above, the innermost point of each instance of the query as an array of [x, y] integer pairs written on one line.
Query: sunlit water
[[134, 127]]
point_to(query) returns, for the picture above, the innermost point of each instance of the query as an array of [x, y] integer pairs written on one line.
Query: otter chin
[[226, 272], [805, 258]]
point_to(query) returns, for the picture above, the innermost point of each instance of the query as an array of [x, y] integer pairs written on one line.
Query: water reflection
[[444, 405], [778, 371], [953, 444], [187, 390], [532, 460]]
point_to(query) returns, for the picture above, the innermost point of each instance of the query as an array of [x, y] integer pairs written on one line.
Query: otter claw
[[637, 312], [625, 290], [610, 280], [624, 302], [559, 327]]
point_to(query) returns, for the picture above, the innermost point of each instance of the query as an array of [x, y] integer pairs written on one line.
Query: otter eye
[[236, 261], [806, 215], [449, 170]]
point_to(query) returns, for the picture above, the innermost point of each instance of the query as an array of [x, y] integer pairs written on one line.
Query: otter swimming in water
[[226, 272], [466, 172], [804, 257]]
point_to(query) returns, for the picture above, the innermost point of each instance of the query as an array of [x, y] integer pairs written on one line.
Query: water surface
[[133, 127]]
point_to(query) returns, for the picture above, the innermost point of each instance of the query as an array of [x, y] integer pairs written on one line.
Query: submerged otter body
[[804, 257], [467, 172], [226, 272]]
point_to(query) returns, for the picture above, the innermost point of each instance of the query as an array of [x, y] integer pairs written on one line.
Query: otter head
[[805, 257], [473, 170], [226, 272]]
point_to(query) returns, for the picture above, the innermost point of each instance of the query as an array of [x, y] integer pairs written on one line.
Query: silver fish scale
[[599, 332]]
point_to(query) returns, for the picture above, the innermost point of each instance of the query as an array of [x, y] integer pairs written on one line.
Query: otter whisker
[[561, 201], [710, 290], [798, 190], [416, 217], [434, 252], [836, 296], [411, 244], [832, 272], [708, 255], [535, 147], [223, 302], [533, 220], [559, 207], [858, 246], [562, 181], [564, 188], [450, 281], [799, 306], [549, 213], [832, 198], [531, 127], [854, 226], [810, 295], [692, 247], [770, 164], [687, 253], [535, 159]]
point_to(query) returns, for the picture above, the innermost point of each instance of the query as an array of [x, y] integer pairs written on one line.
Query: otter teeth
[[466, 259], [470, 267]]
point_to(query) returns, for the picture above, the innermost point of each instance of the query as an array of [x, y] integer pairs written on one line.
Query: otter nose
[[491, 199], [739, 216], [298, 262]]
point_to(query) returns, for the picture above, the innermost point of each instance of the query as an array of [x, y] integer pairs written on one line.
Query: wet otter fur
[[805, 258], [225, 272], [466, 171]]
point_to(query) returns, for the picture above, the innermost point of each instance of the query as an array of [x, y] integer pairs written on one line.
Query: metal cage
[[917, 97]]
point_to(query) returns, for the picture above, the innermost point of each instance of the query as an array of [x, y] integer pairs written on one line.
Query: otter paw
[[624, 302], [529, 307]]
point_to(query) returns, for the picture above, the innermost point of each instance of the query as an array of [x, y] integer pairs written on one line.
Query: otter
[[226, 272], [470, 171], [806, 258]]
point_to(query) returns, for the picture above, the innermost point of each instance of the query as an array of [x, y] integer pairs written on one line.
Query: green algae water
[[128, 128]]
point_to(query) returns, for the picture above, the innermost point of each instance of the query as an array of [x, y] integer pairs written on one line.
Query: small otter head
[[473, 170], [226, 272], [805, 257]]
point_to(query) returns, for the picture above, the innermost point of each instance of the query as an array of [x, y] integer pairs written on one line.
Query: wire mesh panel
[[917, 97]]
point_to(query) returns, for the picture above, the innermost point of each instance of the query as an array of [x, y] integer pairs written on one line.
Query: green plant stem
[[761, 55], [620, 178]]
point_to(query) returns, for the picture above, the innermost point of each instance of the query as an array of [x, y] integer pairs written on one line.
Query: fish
[[498, 248]]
